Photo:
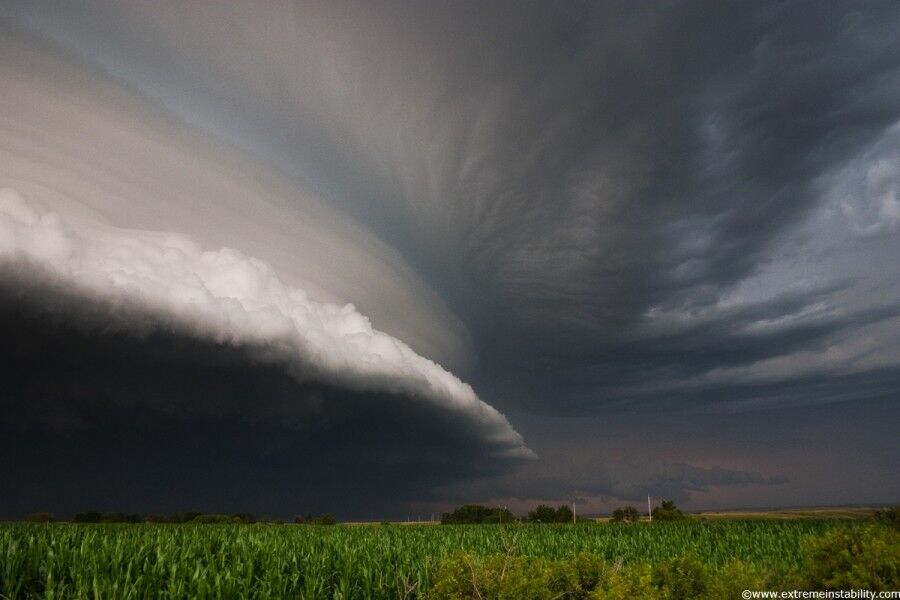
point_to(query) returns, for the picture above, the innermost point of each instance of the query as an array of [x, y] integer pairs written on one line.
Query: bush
[[734, 578], [503, 576], [889, 516], [475, 513], [863, 558], [587, 576], [681, 578], [620, 582]]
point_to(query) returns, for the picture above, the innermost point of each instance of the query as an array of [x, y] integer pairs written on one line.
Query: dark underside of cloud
[[151, 418]]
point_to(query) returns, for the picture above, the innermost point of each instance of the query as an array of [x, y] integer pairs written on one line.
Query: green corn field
[[366, 561]]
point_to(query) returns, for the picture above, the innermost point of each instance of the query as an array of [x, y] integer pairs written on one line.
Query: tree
[[117, 517], [564, 514], [88, 516], [325, 519], [215, 519], [629, 514], [547, 514], [156, 518], [476, 513], [245, 517], [40, 517], [667, 511]]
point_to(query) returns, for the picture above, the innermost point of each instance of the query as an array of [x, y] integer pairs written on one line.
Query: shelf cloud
[[168, 280]]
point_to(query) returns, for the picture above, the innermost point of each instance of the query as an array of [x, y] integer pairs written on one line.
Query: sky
[[382, 258]]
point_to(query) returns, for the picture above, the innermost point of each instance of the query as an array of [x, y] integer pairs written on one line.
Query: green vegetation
[[547, 514], [474, 514], [841, 559], [692, 558], [587, 577], [629, 514], [667, 511], [891, 516], [854, 559]]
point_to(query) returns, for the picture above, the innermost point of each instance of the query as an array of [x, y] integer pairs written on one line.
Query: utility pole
[[573, 514], [649, 510]]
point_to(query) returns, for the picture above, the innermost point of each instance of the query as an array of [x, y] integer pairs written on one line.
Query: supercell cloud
[[289, 236]]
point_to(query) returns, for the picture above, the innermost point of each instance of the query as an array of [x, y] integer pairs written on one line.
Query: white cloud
[[228, 297]]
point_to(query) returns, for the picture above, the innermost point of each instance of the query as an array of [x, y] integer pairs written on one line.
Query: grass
[[275, 561]]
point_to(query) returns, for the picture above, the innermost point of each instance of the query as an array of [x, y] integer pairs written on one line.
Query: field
[[372, 561], [829, 512]]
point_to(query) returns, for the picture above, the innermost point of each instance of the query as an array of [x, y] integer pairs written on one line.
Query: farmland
[[366, 561]]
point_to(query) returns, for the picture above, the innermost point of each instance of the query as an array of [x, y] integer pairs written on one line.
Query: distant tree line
[[465, 514], [666, 511], [478, 514], [325, 519], [95, 516], [475, 513]]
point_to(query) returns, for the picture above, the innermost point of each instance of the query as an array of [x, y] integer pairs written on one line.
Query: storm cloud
[[584, 210]]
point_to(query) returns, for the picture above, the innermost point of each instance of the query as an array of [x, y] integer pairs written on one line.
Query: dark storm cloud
[[590, 476], [690, 364], [557, 172], [154, 418]]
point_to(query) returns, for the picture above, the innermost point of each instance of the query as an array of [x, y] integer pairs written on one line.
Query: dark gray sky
[[383, 257]]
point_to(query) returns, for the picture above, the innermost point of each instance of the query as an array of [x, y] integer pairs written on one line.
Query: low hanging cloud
[[228, 298]]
